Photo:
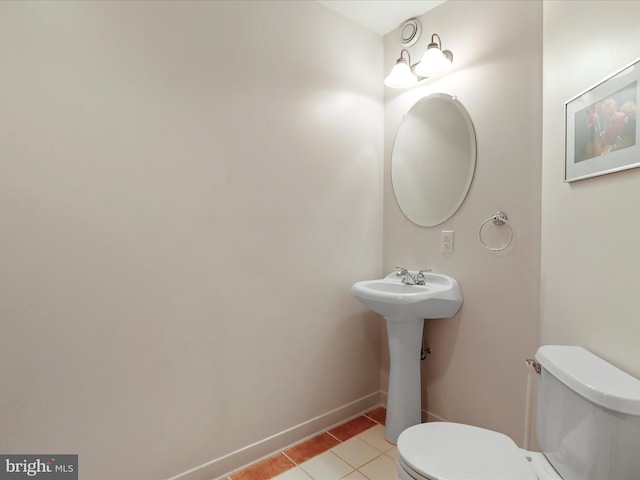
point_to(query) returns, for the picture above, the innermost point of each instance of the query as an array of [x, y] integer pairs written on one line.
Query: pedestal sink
[[405, 307]]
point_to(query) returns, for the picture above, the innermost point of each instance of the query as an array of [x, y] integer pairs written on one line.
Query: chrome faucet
[[409, 279]]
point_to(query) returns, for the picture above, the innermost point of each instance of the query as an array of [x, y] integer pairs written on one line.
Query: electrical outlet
[[446, 241]]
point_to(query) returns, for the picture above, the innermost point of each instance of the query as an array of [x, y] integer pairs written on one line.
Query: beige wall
[[476, 373], [591, 231], [183, 218], [187, 192]]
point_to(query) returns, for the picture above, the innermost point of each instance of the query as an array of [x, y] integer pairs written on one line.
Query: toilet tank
[[588, 419]]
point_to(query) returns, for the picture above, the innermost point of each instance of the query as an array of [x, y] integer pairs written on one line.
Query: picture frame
[[602, 133]]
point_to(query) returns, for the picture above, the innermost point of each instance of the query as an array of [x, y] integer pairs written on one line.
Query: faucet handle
[[402, 271], [420, 280]]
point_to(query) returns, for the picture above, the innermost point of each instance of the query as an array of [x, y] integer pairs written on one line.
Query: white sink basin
[[404, 308], [440, 297]]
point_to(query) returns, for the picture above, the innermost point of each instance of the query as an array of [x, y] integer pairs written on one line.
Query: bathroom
[[189, 190]]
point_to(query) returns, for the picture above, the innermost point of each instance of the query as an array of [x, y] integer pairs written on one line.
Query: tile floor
[[355, 450]]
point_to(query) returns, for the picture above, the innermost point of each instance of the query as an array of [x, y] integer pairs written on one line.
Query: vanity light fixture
[[434, 60]]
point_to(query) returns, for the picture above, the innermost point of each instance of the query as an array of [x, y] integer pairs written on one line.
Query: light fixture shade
[[433, 61], [401, 76]]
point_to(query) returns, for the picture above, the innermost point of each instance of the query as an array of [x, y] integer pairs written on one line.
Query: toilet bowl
[[453, 451], [588, 428]]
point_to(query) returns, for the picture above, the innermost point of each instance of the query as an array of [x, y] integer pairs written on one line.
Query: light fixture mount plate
[[410, 32]]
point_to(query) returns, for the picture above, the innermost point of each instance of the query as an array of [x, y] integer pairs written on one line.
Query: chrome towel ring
[[498, 219]]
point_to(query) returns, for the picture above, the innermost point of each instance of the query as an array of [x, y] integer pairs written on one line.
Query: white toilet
[[588, 426]]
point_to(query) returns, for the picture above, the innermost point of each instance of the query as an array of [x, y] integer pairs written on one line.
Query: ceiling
[[381, 16]]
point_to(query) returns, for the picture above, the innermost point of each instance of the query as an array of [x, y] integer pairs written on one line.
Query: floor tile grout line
[[329, 451], [372, 419], [365, 476], [372, 460], [355, 469], [376, 448], [367, 462], [295, 464], [332, 435]]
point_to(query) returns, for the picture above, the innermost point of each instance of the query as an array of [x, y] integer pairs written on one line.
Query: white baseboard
[[223, 466]]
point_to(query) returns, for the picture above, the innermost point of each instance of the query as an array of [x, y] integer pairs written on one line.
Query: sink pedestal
[[404, 407], [405, 307]]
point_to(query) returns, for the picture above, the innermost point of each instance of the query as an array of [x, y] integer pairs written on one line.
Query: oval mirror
[[433, 159]]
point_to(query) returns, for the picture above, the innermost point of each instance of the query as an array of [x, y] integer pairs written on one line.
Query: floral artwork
[[602, 134], [607, 125]]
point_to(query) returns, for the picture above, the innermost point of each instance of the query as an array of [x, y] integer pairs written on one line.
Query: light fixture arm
[[433, 44], [408, 62]]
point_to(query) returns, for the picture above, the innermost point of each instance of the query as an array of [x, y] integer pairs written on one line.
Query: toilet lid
[[452, 451]]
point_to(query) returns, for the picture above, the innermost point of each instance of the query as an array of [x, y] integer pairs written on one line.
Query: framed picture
[[601, 131]]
